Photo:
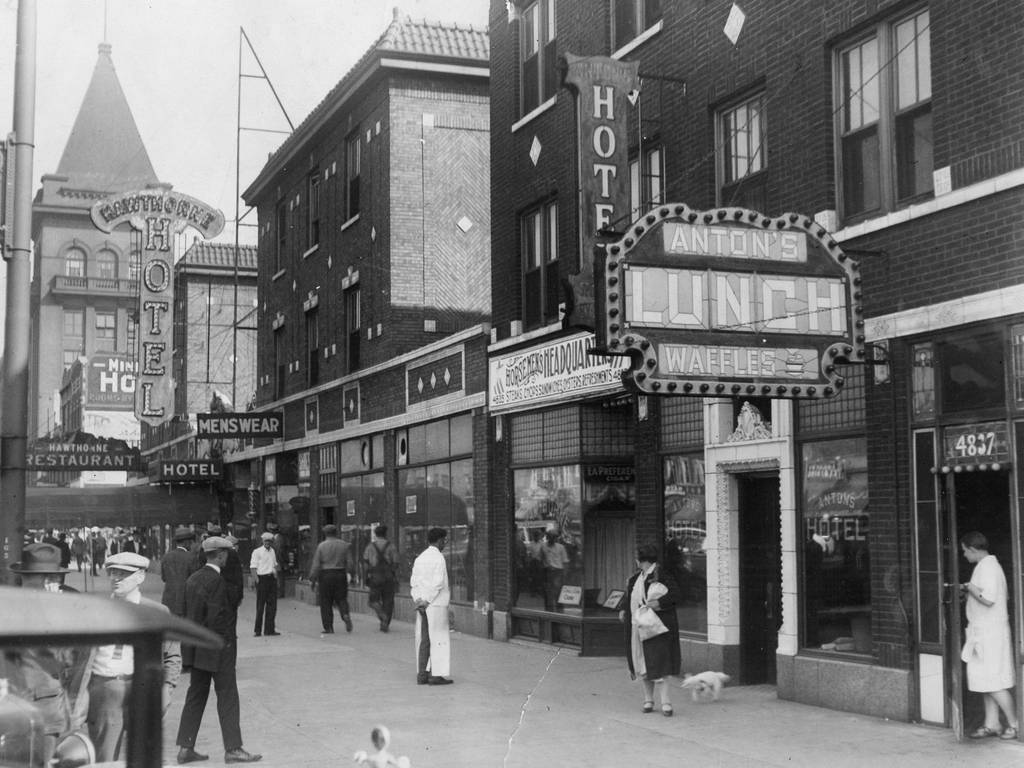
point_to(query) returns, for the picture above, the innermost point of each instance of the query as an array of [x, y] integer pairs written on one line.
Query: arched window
[[74, 262], [106, 264]]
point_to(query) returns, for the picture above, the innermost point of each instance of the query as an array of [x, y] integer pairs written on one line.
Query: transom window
[[632, 17], [885, 117], [537, 54], [540, 265], [743, 154]]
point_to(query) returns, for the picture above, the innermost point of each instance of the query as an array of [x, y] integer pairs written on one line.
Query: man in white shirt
[[428, 587], [111, 666], [264, 567]]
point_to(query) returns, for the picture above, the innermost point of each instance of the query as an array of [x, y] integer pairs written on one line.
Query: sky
[[178, 64]]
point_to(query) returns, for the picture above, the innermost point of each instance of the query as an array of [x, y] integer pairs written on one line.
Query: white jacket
[[429, 580]]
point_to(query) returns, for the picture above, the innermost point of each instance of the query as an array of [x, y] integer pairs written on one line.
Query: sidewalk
[[311, 701]]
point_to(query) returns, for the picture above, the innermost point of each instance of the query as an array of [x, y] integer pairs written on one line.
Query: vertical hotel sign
[[604, 90], [159, 215]]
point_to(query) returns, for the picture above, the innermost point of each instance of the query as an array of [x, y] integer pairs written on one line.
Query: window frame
[[878, 188], [312, 348], [68, 261], [538, 38], [730, 181], [313, 219], [281, 250], [353, 327], [644, 15], [106, 264], [642, 193], [279, 376], [538, 248], [353, 174], [101, 346]]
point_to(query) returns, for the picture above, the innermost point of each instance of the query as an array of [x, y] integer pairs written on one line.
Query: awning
[[133, 506]]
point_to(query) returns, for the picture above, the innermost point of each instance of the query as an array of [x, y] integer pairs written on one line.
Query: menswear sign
[[215, 426]]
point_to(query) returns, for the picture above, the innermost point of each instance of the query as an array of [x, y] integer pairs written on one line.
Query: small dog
[[705, 686]]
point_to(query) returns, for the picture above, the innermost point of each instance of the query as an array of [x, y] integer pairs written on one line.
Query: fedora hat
[[39, 558], [183, 533]]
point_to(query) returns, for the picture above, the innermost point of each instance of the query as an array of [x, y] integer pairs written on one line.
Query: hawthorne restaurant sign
[[729, 303], [159, 215]]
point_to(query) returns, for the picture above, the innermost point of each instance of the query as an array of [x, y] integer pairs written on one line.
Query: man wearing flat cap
[[208, 604], [264, 566], [111, 667], [175, 568]]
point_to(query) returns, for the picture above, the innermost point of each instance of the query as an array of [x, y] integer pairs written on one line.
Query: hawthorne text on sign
[[160, 215], [238, 425], [730, 303]]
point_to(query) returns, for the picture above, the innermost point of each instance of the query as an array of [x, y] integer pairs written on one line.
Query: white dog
[[705, 686]]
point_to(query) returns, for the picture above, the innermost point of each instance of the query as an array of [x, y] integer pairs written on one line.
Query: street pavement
[[312, 700]]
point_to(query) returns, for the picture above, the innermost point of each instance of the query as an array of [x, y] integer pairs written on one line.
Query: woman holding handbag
[[652, 628]]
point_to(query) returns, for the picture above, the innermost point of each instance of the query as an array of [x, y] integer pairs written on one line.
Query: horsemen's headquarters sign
[[159, 214]]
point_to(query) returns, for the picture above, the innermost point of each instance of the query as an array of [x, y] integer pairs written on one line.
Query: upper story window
[[280, 361], [106, 332], [314, 209], [353, 328], [312, 348], [282, 236], [645, 183], [537, 54], [632, 17], [353, 169], [539, 237], [743, 154], [106, 264], [884, 122], [74, 262], [74, 324]]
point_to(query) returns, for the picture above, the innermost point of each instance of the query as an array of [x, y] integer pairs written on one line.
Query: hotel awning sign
[[729, 303]]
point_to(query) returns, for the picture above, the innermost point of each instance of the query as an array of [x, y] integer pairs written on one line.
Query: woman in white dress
[[988, 649]]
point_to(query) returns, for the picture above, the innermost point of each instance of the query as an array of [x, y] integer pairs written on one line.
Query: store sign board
[[729, 303], [160, 215], [110, 382], [214, 426], [976, 444], [186, 471], [51, 456], [561, 370]]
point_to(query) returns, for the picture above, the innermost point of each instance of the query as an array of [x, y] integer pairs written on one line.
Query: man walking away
[[332, 562], [207, 603], [381, 564], [98, 549], [428, 587], [78, 548], [175, 568], [264, 566]]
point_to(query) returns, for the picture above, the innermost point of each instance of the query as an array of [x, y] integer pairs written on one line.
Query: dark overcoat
[[208, 605], [661, 654], [175, 568]]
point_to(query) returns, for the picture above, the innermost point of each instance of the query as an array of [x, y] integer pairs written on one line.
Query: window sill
[[639, 40], [311, 250], [533, 113], [279, 273], [856, 657], [349, 223]]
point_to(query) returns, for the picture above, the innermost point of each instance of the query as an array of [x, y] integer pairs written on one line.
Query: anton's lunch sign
[[729, 303]]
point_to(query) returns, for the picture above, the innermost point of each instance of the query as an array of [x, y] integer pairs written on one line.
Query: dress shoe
[[422, 679], [240, 756], [189, 755], [439, 681], [271, 634]]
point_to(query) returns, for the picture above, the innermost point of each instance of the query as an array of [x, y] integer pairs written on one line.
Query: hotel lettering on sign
[[729, 303], [160, 215]]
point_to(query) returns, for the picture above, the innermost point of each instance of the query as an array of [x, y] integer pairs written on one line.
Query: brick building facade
[[374, 292], [814, 536]]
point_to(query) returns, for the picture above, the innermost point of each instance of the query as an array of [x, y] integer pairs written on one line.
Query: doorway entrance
[[760, 575], [975, 501]]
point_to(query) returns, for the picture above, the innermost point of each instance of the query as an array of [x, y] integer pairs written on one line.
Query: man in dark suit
[[175, 568], [208, 603]]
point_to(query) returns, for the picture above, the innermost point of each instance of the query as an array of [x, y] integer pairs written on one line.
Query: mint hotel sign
[[729, 303]]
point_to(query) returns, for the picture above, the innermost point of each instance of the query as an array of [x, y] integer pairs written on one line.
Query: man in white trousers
[[428, 587]]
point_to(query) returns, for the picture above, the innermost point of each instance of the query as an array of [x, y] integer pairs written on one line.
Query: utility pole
[[18, 254]]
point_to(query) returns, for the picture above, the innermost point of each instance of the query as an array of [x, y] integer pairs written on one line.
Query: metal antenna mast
[[242, 37]]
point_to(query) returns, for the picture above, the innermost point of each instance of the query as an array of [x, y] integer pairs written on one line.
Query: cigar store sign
[[729, 303], [159, 215]]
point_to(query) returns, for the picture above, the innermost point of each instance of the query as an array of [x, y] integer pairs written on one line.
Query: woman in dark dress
[[655, 659]]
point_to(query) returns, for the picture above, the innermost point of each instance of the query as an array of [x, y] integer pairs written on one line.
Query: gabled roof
[[105, 151], [405, 39]]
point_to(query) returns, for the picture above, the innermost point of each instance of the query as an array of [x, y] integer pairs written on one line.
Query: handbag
[[647, 623]]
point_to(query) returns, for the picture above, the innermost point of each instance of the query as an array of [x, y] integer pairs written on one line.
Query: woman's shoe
[[982, 732], [648, 707], [1009, 734], [666, 710]]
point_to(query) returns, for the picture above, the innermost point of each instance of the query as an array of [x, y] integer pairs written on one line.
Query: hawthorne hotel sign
[[159, 215], [731, 303]]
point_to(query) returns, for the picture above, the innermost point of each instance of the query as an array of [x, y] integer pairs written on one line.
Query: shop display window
[[360, 507], [834, 535], [685, 538]]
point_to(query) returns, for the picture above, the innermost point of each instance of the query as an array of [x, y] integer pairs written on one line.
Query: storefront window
[[609, 545], [549, 539], [972, 372], [360, 507], [836, 569], [686, 533]]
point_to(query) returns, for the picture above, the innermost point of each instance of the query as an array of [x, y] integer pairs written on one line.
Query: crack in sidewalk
[[526, 704]]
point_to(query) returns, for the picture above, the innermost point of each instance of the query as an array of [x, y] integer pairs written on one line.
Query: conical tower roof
[[105, 151]]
